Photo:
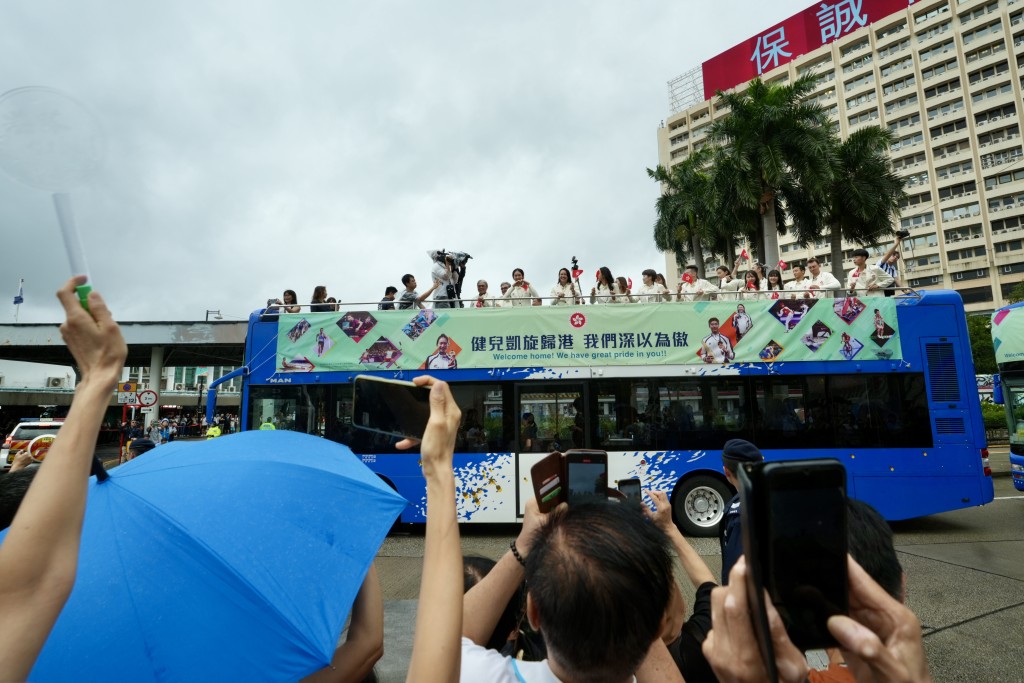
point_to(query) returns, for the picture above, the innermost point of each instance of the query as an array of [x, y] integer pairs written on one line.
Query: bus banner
[[758, 331], [1007, 333]]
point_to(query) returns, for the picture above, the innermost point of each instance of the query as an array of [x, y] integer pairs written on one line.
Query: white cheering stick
[[50, 141]]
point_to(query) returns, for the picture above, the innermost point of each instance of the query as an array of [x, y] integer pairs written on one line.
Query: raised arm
[[423, 297], [892, 250], [483, 605], [39, 557], [436, 653], [354, 659], [693, 564]]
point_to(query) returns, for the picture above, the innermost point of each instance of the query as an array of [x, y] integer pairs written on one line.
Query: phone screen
[[391, 407], [806, 549], [588, 480], [630, 488]]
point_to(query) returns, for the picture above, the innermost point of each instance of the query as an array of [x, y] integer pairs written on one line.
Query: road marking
[[1008, 497]]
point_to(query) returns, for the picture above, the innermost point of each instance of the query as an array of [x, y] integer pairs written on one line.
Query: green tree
[[783, 146], [1016, 294], [684, 209], [979, 328], [864, 196]]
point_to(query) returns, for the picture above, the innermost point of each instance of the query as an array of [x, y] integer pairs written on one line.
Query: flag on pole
[[783, 265], [19, 298], [744, 255]]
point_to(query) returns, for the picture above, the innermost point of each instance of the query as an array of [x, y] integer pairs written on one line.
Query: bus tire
[[698, 504]]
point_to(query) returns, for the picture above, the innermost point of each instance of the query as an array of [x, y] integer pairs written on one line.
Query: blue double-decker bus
[[884, 385], [1008, 342]]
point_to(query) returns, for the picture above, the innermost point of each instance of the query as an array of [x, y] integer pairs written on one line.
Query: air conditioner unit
[[54, 382], [179, 387], [977, 237]]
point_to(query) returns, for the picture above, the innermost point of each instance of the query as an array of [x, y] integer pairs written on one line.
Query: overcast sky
[[253, 147]]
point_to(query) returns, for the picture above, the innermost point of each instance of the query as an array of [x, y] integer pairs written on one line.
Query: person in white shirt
[[607, 289], [502, 302], [822, 283], [625, 296], [659, 279], [521, 293], [443, 272], [728, 286], [772, 285], [752, 285], [564, 292], [650, 291], [867, 280], [798, 285], [717, 347], [694, 288], [483, 299]]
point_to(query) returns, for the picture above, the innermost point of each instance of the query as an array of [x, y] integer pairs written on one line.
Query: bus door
[[550, 417]]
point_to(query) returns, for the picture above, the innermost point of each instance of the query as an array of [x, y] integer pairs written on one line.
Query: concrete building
[[945, 76]]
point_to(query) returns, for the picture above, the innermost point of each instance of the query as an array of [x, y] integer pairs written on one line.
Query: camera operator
[[890, 263], [443, 271]]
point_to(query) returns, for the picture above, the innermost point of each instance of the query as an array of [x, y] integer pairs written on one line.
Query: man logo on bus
[[577, 320]]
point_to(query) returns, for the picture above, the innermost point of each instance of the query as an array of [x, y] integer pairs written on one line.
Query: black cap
[[860, 252], [740, 450], [140, 446]]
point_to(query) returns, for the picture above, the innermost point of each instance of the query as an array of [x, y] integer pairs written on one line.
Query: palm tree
[[781, 144], [684, 208], [863, 201]]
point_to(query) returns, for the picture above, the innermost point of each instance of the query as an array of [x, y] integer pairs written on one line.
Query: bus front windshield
[[1013, 395]]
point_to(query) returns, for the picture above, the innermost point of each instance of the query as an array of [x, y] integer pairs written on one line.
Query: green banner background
[[563, 336]]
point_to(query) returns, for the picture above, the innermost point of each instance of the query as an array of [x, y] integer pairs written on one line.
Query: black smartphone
[[794, 538], [630, 488], [586, 473], [390, 406], [548, 477]]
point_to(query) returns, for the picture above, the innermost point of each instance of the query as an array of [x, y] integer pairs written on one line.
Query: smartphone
[[586, 474], [548, 477], [390, 406], [795, 539], [630, 488]]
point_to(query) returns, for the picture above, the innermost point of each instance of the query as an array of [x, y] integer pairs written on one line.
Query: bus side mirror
[[997, 390]]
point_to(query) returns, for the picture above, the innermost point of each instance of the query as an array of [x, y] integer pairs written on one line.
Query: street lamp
[[216, 317]]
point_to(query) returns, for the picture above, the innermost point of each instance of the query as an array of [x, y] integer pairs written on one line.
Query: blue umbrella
[[236, 558]]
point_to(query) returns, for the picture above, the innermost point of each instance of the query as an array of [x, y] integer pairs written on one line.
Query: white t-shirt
[[689, 291], [823, 282], [651, 293], [480, 664]]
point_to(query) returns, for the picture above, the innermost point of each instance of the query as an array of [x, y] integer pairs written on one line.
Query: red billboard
[[801, 33]]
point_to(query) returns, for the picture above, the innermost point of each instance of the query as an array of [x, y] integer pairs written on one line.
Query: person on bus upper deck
[[667, 295], [773, 285], [624, 296], [289, 302], [694, 288], [867, 280], [388, 302], [799, 283], [483, 298], [822, 282], [730, 537], [606, 289], [409, 298], [444, 273], [650, 291], [521, 293], [318, 302], [890, 262], [501, 301], [728, 285], [751, 285], [565, 292]]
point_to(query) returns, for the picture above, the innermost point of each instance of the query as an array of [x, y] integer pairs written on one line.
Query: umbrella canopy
[[236, 558]]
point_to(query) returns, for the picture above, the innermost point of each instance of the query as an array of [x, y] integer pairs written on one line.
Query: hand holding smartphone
[[576, 476], [795, 541], [390, 406]]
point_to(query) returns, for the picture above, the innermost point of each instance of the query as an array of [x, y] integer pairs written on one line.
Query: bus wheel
[[698, 505]]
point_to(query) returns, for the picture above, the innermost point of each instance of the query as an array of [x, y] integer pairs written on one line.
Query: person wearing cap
[[730, 537], [867, 280], [140, 446]]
